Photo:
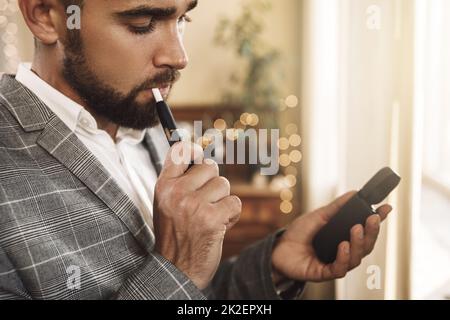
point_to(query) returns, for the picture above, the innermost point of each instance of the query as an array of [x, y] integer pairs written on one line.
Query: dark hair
[[71, 2]]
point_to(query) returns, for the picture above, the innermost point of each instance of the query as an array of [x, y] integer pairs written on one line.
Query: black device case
[[354, 212]]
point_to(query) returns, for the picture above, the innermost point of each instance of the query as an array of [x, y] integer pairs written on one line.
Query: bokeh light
[[286, 195], [220, 124], [291, 129], [295, 156], [286, 207], [291, 101], [291, 170], [295, 140], [283, 144], [284, 160]]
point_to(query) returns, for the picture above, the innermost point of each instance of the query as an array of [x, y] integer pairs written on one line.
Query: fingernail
[[361, 234], [347, 249]]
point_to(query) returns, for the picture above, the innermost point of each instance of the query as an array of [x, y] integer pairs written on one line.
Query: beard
[[104, 100]]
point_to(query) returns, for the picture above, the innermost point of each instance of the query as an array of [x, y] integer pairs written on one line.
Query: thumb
[[179, 158]]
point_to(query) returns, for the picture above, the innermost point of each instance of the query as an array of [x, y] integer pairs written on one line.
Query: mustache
[[170, 76]]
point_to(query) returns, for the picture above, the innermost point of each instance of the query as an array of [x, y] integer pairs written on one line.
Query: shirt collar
[[63, 107], [74, 116]]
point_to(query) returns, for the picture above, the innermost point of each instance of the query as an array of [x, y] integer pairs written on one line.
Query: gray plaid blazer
[[68, 231]]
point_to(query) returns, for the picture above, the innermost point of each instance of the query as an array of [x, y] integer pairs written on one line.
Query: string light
[[291, 170], [286, 207], [239, 125], [295, 140], [291, 101], [232, 134], [286, 195], [9, 29], [291, 180], [204, 141], [220, 124], [243, 118], [249, 119], [291, 129], [295, 156], [254, 120], [284, 160], [283, 143]]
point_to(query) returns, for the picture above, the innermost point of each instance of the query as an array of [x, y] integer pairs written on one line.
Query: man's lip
[[164, 89], [161, 87]]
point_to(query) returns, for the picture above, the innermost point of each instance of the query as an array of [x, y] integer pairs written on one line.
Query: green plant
[[254, 85]]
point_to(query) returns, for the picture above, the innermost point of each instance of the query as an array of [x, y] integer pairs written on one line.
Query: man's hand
[[192, 211], [294, 257]]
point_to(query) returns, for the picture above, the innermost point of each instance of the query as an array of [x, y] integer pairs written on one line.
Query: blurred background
[[353, 86]]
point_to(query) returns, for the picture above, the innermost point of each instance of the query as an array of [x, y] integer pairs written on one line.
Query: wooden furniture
[[260, 216]]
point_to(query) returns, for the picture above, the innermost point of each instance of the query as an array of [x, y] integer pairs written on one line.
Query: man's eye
[[143, 28], [150, 25], [185, 18], [182, 23]]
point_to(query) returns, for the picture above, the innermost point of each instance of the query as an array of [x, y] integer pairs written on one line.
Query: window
[[437, 95], [431, 258]]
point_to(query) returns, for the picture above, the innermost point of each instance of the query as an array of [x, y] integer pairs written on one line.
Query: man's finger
[[371, 230], [384, 211], [340, 267], [233, 220], [179, 158], [200, 174], [215, 190], [231, 208], [357, 248]]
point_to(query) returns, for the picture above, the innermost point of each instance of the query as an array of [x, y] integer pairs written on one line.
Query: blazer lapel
[[64, 145], [156, 143]]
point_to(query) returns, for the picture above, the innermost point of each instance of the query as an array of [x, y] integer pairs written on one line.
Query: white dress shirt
[[127, 160]]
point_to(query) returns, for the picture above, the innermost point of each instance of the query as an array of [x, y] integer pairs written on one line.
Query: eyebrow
[[147, 11]]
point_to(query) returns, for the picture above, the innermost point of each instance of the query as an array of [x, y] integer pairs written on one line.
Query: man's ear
[[44, 18]]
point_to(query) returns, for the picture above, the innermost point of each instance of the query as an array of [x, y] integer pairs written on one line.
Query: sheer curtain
[[431, 237], [358, 116]]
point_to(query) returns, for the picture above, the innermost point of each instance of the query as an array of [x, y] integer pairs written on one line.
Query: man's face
[[123, 50]]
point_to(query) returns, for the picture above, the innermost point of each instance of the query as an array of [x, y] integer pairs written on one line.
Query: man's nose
[[171, 52]]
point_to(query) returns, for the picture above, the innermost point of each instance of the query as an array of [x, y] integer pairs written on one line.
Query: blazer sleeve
[[158, 279], [11, 286], [249, 276]]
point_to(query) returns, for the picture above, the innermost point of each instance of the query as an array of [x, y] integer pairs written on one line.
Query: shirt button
[[84, 122]]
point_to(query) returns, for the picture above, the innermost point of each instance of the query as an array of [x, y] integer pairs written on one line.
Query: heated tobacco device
[[354, 212]]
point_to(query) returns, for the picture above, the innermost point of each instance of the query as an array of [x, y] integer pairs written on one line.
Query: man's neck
[[47, 71]]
